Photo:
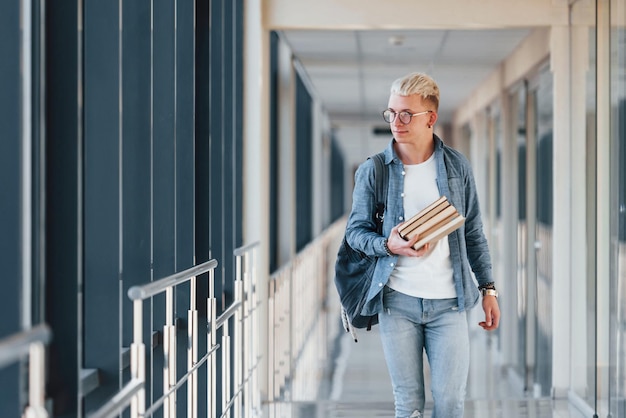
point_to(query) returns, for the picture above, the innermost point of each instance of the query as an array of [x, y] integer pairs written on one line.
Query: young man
[[422, 296]]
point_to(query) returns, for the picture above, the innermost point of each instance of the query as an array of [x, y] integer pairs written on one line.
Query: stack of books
[[432, 223]]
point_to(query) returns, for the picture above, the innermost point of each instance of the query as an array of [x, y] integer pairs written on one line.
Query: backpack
[[354, 269]]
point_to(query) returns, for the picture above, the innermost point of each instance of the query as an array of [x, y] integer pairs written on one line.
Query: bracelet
[[490, 285], [389, 253]]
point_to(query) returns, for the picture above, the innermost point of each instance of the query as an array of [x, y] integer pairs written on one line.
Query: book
[[424, 215], [448, 212], [434, 222], [441, 231]]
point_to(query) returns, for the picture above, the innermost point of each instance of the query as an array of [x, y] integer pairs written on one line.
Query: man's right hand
[[399, 246]]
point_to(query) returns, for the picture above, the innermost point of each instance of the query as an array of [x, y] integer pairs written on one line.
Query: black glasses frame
[[389, 115]]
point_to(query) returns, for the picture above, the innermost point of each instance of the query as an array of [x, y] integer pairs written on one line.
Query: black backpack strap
[[381, 176]]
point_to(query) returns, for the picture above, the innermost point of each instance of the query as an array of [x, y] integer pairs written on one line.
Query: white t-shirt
[[428, 276]]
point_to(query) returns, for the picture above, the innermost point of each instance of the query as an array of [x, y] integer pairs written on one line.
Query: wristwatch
[[490, 292]]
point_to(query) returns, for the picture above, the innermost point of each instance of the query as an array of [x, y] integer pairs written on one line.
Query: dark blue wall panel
[[164, 139], [228, 147], [136, 153], [10, 193], [184, 174], [304, 165], [63, 251], [185, 134], [273, 163], [216, 141], [101, 196], [10, 167], [238, 112], [164, 163], [337, 188], [218, 158], [201, 173], [136, 165]]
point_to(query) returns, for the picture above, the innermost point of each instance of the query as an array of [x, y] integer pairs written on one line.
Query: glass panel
[[495, 183], [522, 233], [584, 293], [543, 187], [498, 138], [486, 207], [590, 303], [617, 393]]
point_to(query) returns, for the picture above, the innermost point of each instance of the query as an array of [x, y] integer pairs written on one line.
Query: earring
[[429, 126]]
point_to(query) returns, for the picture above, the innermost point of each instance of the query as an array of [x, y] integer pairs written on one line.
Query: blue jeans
[[409, 325]]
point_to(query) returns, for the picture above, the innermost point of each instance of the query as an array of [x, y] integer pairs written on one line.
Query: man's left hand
[[492, 313]]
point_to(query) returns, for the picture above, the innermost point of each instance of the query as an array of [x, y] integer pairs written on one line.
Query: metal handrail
[[30, 342], [17, 345], [227, 314], [245, 401], [238, 252], [120, 401], [154, 288], [297, 293], [156, 404], [133, 393], [239, 319]]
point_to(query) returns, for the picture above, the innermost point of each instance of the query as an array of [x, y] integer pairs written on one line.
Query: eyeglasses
[[405, 117]]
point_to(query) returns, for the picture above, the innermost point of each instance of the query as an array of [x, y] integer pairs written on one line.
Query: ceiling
[[351, 70]]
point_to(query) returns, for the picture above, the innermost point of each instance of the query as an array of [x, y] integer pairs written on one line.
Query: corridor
[[176, 175]]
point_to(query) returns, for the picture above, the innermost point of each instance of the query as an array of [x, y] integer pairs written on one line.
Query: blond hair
[[417, 83]]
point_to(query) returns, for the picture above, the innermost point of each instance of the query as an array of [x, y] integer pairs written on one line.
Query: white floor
[[359, 385], [363, 388]]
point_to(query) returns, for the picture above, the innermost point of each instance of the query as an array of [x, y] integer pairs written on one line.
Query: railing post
[[138, 360], [192, 351], [271, 359], [244, 338], [255, 398], [36, 381], [248, 343], [211, 343], [238, 341], [287, 315], [169, 355], [225, 369]]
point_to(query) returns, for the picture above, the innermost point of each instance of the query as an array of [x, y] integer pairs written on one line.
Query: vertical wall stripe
[[26, 160], [79, 173], [149, 362], [120, 188], [175, 104]]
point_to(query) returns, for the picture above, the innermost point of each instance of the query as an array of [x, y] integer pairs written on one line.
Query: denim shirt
[[468, 245]]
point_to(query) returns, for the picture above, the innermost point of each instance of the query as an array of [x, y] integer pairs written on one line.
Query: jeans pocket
[[387, 293]]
